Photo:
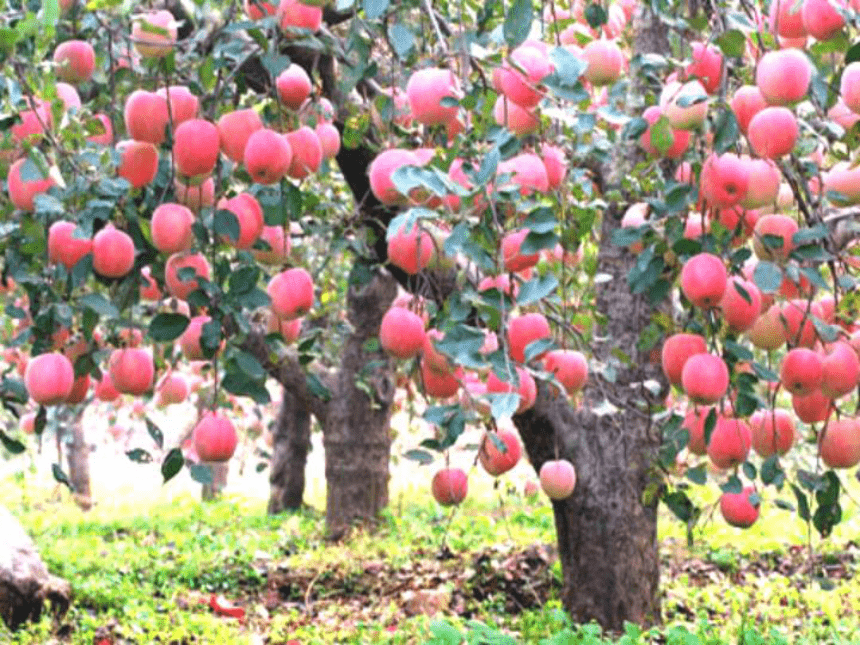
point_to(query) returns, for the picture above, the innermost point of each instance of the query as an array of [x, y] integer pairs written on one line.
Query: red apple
[[292, 293], [495, 460], [557, 479], [802, 371], [401, 333], [131, 370], [783, 76], [705, 378], [730, 442], [181, 287], [425, 90], [294, 86], [772, 432], [450, 486], [113, 252], [234, 130], [215, 437], [267, 156], [703, 280], [22, 193], [76, 61], [569, 367], [171, 228], [675, 352], [738, 510], [196, 144], [49, 378]]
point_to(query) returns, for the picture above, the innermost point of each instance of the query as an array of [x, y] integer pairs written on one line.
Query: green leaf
[[155, 432], [697, 475], [518, 22], [201, 473], [538, 347], [316, 387], [99, 304], [139, 455], [445, 634], [710, 424], [241, 384], [634, 128], [61, 477], [8, 38], [536, 289], [853, 54], [488, 166], [596, 16], [767, 276], [421, 456], [680, 505], [172, 464], [627, 235], [503, 406], [726, 131], [662, 135], [249, 365], [536, 242], [402, 40], [12, 445], [166, 327], [243, 280], [541, 220], [51, 13], [732, 43], [462, 344], [733, 485], [374, 9], [226, 224], [771, 471], [808, 235], [568, 68], [210, 338], [802, 503]]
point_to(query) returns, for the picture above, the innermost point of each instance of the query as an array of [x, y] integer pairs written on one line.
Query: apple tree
[[584, 206]]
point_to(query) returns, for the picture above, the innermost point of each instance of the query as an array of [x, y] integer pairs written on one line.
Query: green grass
[[144, 572]]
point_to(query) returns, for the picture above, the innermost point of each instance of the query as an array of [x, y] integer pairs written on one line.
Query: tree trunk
[[607, 536], [25, 583], [212, 490], [78, 457], [607, 530], [292, 442], [356, 429]]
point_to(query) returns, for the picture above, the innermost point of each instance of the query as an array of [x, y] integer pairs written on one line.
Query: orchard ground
[[145, 562]]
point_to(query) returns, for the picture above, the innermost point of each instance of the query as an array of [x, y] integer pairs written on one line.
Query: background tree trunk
[[212, 490], [78, 457], [25, 583], [292, 442], [356, 431]]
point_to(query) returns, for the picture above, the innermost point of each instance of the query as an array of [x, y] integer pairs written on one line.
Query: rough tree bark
[[607, 531], [356, 432], [25, 583], [354, 416], [292, 441]]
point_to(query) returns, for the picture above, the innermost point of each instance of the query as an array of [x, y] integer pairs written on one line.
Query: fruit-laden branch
[[286, 370]]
